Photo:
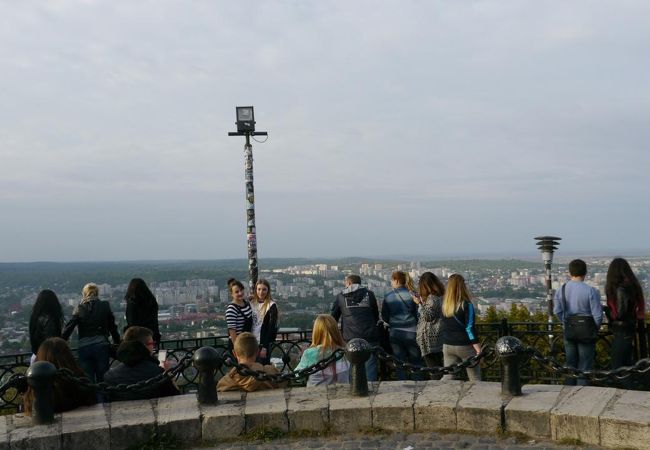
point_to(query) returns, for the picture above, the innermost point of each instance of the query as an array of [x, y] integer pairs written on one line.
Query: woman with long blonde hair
[[265, 319], [460, 340], [325, 339], [95, 322]]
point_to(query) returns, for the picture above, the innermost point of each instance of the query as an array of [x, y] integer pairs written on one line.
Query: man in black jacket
[[137, 363], [357, 308]]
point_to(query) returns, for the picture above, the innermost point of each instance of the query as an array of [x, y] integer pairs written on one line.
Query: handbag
[[578, 328]]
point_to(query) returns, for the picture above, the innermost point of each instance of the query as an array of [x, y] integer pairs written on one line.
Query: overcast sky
[[396, 127]]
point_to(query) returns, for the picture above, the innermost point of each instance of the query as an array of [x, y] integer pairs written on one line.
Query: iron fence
[[285, 353]]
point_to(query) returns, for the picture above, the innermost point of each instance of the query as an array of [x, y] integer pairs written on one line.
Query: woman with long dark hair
[[66, 395], [46, 320], [429, 330], [142, 308], [626, 306], [265, 322]]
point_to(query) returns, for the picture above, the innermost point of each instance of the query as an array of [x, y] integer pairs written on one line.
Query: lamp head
[[547, 245], [245, 119]]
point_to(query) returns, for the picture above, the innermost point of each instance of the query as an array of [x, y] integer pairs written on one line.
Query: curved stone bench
[[600, 416]]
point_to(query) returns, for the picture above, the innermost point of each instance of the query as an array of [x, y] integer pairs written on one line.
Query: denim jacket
[[399, 310]]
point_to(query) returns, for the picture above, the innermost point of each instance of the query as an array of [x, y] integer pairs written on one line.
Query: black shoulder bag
[[578, 328]]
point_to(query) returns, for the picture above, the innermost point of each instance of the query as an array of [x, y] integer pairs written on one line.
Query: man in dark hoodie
[[357, 308], [137, 363]]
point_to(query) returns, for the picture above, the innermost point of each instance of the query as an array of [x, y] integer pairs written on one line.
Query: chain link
[[245, 371], [446, 370], [151, 383], [641, 367], [17, 381]]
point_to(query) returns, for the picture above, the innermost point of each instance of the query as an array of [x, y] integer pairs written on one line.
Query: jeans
[[406, 349], [457, 353], [622, 346], [93, 359], [371, 368], [579, 355]]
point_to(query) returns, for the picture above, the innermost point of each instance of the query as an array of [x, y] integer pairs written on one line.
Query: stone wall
[[600, 416]]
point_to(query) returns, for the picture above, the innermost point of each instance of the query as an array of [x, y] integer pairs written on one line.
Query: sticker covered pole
[[246, 127]]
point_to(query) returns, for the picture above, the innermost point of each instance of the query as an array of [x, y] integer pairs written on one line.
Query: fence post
[[357, 353], [503, 328], [207, 361], [40, 377], [510, 350]]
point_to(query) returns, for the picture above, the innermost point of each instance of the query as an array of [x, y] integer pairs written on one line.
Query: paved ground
[[399, 441]]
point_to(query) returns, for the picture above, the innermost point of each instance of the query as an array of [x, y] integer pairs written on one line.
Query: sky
[[395, 127]]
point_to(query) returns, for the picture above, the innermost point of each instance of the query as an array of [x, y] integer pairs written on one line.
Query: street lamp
[[246, 127], [547, 245]]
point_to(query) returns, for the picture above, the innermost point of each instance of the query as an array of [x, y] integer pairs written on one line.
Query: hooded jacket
[[137, 364], [357, 308]]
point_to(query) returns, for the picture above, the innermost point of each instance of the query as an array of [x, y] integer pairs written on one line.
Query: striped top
[[239, 318]]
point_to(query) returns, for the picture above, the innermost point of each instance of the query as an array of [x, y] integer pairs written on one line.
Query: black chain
[[446, 370], [641, 367], [283, 377], [17, 380], [151, 383]]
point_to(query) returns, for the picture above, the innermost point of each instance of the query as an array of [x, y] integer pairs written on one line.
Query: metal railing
[[287, 349]]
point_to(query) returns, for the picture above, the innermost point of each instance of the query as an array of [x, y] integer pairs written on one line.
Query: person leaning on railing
[[626, 305], [460, 340], [66, 395], [142, 308], [45, 321], [429, 330], [95, 321]]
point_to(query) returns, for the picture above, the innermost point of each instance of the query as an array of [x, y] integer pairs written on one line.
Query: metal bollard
[[357, 353], [207, 361], [510, 350], [40, 377]]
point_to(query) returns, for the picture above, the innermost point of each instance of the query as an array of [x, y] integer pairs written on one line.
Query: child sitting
[[246, 348]]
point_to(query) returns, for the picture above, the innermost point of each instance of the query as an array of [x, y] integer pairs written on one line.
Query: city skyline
[[395, 128]]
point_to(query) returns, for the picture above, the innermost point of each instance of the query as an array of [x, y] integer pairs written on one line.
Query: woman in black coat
[[142, 308], [46, 320], [265, 323]]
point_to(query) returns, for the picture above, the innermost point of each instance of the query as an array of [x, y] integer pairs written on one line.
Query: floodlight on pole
[[245, 122]]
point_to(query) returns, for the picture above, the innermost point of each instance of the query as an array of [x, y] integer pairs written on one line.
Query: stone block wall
[[600, 416]]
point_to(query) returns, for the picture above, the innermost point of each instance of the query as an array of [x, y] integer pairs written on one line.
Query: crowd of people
[[429, 324]]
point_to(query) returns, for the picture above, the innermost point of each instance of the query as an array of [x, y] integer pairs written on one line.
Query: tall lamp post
[[246, 127], [547, 245]]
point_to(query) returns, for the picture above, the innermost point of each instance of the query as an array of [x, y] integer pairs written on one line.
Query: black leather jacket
[[625, 319], [42, 328], [94, 318]]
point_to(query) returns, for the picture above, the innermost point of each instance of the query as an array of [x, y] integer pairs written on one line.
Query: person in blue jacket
[[400, 311]]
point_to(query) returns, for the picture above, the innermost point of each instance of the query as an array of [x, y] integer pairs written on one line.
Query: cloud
[[498, 113]]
